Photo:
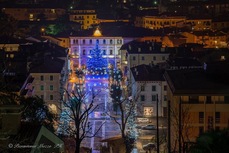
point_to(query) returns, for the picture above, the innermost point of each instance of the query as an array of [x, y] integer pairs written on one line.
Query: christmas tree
[[96, 64]]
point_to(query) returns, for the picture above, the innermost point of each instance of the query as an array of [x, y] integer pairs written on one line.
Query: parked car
[[149, 127], [138, 127]]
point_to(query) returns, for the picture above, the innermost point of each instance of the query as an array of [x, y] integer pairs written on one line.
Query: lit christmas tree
[[63, 128], [96, 64], [131, 125]]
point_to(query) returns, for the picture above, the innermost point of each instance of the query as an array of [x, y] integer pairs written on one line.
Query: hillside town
[[114, 76]]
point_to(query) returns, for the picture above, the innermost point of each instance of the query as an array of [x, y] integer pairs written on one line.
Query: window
[[208, 100], [111, 41], [142, 88], [84, 52], [90, 41], [165, 97], [42, 78], [217, 117], [104, 41], [165, 88], [51, 87], [83, 41], [119, 41], [148, 111], [51, 97], [226, 99], [154, 97], [134, 58], [210, 122], [201, 117], [153, 88], [42, 97], [143, 58], [111, 52], [42, 87], [142, 98], [165, 112], [163, 58], [193, 99], [104, 52], [51, 77], [154, 58]]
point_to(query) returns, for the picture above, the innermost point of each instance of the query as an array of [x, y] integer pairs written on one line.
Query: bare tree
[[182, 125], [127, 106], [77, 111]]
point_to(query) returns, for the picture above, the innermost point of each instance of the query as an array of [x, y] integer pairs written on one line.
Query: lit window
[[148, 111], [53, 10]]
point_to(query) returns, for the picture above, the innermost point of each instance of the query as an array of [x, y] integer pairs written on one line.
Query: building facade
[[85, 17], [197, 104], [81, 48]]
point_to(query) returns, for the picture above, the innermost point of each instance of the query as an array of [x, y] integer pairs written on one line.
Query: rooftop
[[196, 82], [147, 73]]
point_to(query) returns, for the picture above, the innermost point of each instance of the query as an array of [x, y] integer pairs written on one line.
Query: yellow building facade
[[85, 17], [194, 108]]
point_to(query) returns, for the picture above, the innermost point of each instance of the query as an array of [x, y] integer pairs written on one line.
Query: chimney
[[150, 48], [129, 47], [162, 49], [139, 49]]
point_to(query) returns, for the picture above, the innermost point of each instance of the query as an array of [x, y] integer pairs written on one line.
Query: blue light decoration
[[64, 125], [96, 64]]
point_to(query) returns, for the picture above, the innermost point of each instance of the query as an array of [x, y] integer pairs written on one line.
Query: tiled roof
[[196, 81], [116, 31], [147, 73], [48, 66], [146, 47]]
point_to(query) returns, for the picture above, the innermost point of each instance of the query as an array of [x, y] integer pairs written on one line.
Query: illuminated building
[[81, 47], [85, 17], [198, 102]]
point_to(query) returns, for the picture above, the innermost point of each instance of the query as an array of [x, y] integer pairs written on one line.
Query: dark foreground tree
[[215, 141], [37, 112], [127, 111], [76, 110]]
